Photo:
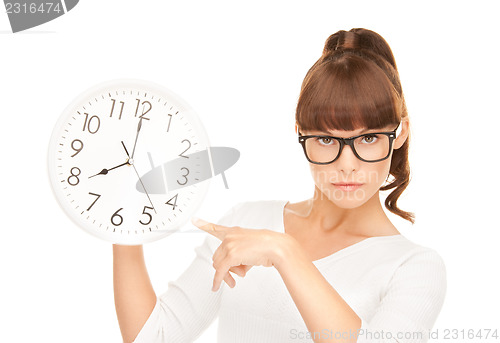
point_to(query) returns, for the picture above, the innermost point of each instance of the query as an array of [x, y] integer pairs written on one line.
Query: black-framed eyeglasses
[[368, 147]]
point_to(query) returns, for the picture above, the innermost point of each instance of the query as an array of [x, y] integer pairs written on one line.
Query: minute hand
[[136, 136]]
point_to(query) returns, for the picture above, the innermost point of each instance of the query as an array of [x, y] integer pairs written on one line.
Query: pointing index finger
[[211, 228]]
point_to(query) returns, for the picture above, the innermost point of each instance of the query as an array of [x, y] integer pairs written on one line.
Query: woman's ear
[[403, 135]]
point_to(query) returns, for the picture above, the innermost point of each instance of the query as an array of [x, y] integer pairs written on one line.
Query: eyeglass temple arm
[[398, 129]]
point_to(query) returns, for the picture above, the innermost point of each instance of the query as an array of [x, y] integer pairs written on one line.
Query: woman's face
[[349, 169]]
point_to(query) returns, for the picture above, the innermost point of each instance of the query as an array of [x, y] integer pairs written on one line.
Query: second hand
[[144, 188], [131, 162]]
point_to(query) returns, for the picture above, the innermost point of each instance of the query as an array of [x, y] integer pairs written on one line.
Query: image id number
[[44, 7], [476, 334]]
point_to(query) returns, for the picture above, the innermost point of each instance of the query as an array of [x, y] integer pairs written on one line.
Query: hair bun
[[358, 39], [337, 41]]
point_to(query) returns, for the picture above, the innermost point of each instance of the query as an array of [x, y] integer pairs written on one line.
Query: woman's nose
[[347, 160]]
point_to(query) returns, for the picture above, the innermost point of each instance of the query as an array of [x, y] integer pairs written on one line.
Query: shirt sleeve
[[412, 303], [189, 305]]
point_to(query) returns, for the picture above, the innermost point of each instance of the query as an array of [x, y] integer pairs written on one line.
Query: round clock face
[[128, 161]]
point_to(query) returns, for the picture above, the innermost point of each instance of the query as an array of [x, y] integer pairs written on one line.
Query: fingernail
[[198, 222]]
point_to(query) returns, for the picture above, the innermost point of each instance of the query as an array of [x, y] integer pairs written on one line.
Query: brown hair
[[355, 84]]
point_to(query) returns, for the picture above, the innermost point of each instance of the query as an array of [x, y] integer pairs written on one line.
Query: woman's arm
[[319, 304], [410, 305], [134, 294], [406, 313]]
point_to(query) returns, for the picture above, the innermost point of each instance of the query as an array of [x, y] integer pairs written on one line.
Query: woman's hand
[[241, 249]]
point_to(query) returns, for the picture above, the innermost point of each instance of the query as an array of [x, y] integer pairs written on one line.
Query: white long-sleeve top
[[394, 285]]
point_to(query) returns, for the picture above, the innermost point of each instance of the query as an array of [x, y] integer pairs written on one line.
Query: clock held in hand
[[100, 161]]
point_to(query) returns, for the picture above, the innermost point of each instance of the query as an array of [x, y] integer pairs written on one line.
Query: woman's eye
[[370, 138], [325, 140]]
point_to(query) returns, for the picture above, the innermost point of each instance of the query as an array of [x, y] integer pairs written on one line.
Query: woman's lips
[[348, 187]]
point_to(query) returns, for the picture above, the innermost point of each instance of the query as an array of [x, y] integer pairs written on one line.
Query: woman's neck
[[323, 216]]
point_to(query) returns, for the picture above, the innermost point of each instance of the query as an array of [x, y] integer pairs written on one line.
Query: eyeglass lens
[[369, 147]]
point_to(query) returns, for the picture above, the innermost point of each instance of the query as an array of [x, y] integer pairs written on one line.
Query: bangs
[[347, 94]]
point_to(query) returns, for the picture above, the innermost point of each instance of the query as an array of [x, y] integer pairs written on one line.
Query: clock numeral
[[88, 122], [144, 110], [148, 214], [74, 176], [175, 201], [116, 215], [184, 176], [98, 196], [181, 154], [113, 107], [77, 149], [169, 121]]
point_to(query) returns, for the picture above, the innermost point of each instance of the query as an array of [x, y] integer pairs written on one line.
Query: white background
[[240, 66]]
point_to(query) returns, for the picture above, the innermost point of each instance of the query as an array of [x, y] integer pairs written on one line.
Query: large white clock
[[128, 160]]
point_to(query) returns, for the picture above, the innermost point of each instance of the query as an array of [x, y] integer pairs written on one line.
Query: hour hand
[[105, 171]]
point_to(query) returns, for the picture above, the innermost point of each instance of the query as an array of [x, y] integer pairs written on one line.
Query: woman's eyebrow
[[330, 134]]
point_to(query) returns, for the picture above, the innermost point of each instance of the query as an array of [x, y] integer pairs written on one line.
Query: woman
[[338, 269]]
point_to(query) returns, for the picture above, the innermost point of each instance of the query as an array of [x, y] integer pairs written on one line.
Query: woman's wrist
[[287, 246], [128, 252]]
